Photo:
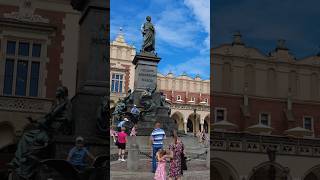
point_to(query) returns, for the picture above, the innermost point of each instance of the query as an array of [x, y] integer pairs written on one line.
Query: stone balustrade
[[250, 143], [190, 107]]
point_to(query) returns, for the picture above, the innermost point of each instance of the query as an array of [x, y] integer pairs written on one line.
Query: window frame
[[122, 80], [312, 122], [216, 109], [42, 60], [269, 118]]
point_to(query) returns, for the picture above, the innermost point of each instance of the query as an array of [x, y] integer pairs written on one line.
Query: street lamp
[[195, 122]]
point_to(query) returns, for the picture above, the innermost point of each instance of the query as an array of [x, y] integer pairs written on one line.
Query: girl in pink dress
[[134, 131], [161, 173], [113, 133]]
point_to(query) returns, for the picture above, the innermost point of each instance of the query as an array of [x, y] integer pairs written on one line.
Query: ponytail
[[175, 136]]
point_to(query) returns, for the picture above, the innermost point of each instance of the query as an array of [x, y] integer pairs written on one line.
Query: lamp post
[[194, 120]]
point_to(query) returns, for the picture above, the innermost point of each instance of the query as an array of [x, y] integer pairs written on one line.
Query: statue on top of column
[[148, 32]]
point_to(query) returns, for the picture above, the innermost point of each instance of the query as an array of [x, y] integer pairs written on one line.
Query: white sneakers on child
[[121, 159]]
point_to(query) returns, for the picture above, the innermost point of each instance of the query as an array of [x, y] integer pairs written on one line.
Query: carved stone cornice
[[190, 107], [24, 104], [248, 143], [13, 23], [26, 13]]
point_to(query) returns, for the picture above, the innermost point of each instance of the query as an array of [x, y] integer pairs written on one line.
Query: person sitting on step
[[78, 155]]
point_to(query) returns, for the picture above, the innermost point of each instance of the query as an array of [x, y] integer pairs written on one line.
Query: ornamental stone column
[[185, 121], [201, 124]]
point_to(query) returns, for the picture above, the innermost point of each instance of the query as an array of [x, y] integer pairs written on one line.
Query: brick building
[[260, 102]]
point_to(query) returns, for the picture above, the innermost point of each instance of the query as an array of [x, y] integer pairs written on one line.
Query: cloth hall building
[[265, 114]]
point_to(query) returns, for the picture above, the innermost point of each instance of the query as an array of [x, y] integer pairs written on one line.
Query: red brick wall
[[232, 104], [205, 96], [127, 77], [168, 93], [55, 49], [195, 95], [276, 108], [7, 9], [179, 93], [172, 95], [304, 109]]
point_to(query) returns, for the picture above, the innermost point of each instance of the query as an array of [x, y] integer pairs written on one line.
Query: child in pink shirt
[[122, 140]]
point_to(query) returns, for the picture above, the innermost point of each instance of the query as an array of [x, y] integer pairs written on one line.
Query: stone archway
[[190, 126], [193, 119], [312, 174], [178, 118], [222, 170], [268, 171]]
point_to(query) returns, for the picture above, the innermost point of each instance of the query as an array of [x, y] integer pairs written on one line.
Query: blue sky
[[182, 31], [263, 22]]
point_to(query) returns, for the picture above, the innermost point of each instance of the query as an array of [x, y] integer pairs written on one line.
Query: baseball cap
[[79, 138]]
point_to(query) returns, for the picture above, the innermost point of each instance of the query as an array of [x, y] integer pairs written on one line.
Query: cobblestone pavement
[[196, 170]]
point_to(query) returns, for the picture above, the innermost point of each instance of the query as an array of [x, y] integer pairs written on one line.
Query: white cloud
[[201, 10], [181, 27], [177, 29], [198, 65]]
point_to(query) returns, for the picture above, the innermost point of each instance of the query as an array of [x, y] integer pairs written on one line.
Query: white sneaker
[[119, 159], [123, 160]]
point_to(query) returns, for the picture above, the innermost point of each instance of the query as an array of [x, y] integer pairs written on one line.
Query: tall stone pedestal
[[93, 66], [145, 71], [146, 126], [146, 78]]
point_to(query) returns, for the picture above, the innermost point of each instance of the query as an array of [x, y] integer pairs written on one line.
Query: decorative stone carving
[[25, 104], [26, 13], [260, 144]]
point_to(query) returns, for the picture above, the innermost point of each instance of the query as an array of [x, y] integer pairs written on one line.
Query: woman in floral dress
[[176, 148]]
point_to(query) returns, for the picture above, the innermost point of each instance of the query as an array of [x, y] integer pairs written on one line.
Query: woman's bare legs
[[119, 153], [123, 152]]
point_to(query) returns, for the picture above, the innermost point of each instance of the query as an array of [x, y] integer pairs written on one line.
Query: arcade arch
[[222, 170], [179, 119], [269, 170], [193, 123], [313, 173], [189, 122]]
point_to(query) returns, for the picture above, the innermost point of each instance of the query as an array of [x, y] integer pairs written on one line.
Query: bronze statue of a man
[[148, 33], [34, 141]]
